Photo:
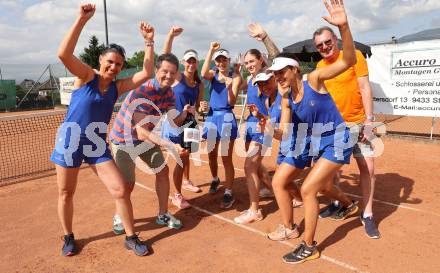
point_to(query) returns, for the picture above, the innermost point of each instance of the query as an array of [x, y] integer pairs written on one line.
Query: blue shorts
[[334, 150], [287, 154], [251, 131], [70, 151], [220, 125]]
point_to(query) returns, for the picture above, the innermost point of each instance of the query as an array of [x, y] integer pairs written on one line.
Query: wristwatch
[[370, 118]]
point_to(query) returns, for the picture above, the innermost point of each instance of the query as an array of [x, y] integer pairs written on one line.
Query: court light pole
[[105, 19]]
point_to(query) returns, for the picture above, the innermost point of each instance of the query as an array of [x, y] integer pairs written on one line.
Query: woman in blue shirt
[[82, 135], [220, 123]]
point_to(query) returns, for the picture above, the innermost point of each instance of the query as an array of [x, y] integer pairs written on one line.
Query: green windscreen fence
[[7, 95]]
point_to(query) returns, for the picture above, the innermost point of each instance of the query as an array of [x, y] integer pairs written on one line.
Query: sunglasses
[[329, 42], [115, 47]]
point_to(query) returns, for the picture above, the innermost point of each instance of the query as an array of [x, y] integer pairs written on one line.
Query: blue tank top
[[219, 95], [88, 105], [254, 98], [275, 110], [185, 94], [315, 107]]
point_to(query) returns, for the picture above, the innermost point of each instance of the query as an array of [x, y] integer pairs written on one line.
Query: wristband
[[149, 43]]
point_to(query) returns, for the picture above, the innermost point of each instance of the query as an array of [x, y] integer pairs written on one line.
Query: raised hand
[[190, 109], [203, 106], [147, 31], [214, 46], [175, 31], [86, 11], [257, 31], [336, 10], [253, 109]]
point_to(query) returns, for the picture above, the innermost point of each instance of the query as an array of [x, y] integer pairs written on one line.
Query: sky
[[31, 30]]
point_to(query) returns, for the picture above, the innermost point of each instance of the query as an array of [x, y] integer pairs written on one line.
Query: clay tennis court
[[407, 206]]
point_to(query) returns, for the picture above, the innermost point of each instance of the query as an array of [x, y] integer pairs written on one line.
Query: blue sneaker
[[69, 248], [328, 210], [345, 212], [168, 220], [133, 243], [302, 253], [214, 185], [370, 227]]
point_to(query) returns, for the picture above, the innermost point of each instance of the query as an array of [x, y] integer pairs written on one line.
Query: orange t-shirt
[[345, 90]]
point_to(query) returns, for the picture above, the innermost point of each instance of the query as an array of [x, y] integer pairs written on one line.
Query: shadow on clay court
[[390, 187]]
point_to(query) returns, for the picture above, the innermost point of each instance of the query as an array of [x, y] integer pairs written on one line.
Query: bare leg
[[229, 166], [212, 155], [109, 174], [319, 180], [252, 166], [179, 173], [282, 184], [186, 166], [163, 189], [67, 179], [368, 180]]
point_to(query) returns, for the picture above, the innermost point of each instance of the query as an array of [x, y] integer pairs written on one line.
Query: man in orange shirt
[[351, 92]]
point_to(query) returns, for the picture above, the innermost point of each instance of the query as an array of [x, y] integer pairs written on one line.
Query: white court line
[[352, 195], [258, 232]]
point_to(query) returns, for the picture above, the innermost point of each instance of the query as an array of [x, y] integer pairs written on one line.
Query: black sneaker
[[69, 248], [302, 253], [370, 227], [214, 185], [328, 210], [345, 212], [133, 243], [228, 200]]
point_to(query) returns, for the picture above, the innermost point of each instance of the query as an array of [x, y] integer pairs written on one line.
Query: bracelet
[[149, 43], [370, 118]]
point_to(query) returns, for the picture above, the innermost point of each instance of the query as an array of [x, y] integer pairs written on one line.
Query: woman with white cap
[[318, 133], [220, 123], [188, 89]]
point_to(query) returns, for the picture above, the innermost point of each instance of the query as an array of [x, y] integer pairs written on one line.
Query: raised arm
[[258, 32], [147, 71], [337, 17], [174, 32], [233, 91], [206, 72], [65, 52]]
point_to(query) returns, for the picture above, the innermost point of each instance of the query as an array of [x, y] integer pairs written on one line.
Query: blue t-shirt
[[88, 105], [219, 95], [185, 94]]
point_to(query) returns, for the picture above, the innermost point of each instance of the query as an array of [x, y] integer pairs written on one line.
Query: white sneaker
[[249, 216]]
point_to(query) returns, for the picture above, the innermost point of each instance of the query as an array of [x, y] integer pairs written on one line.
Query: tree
[[138, 60], [91, 54]]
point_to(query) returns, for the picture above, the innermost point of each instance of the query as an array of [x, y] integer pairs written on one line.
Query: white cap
[[262, 77], [221, 52], [281, 62], [190, 54]]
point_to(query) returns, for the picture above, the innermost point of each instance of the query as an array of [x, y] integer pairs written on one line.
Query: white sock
[[228, 191], [366, 215], [216, 178], [336, 203]]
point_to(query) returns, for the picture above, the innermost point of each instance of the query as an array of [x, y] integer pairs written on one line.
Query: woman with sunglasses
[[188, 90], [81, 137], [318, 133], [221, 124]]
